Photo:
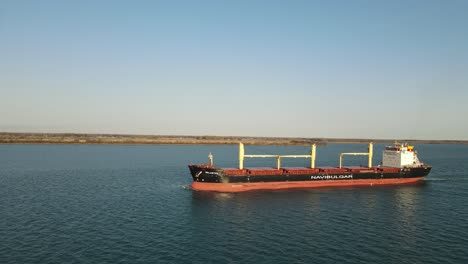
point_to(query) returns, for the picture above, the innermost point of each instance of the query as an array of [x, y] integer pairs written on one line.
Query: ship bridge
[[399, 156]]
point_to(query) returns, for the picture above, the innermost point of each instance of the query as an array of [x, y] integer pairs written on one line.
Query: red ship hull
[[242, 187]]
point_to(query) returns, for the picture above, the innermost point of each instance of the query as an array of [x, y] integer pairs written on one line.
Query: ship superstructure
[[400, 155]]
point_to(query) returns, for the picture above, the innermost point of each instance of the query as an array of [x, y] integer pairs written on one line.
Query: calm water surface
[[132, 204]]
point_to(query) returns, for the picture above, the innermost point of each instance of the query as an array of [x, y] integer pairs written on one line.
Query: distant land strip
[[72, 138]]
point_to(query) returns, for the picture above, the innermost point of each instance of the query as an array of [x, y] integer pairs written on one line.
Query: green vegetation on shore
[[72, 138]]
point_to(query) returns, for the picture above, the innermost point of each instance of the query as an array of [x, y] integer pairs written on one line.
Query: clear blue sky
[[354, 69]]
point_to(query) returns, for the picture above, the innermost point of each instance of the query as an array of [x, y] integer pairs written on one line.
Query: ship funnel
[[371, 153]]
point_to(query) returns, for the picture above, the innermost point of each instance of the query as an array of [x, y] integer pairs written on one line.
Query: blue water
[[132, 204]]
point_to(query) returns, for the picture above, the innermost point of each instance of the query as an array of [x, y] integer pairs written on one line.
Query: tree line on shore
[[75, 138]]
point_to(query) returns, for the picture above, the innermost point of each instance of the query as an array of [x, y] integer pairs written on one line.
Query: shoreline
[[122, 139]]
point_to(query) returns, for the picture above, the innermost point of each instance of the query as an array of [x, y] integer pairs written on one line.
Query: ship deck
[[305, 170]]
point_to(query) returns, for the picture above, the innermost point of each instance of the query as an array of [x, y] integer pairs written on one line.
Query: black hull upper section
[[210, 174]]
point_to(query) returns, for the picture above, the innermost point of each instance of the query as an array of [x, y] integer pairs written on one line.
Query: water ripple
[[125, 210]]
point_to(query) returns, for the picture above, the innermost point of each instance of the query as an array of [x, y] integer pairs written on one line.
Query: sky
[[335, 69]]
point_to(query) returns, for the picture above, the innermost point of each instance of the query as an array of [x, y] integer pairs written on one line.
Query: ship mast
[[210, 157], [241, 156]]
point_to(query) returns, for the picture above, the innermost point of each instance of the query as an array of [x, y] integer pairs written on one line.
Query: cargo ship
[[400, 165]]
